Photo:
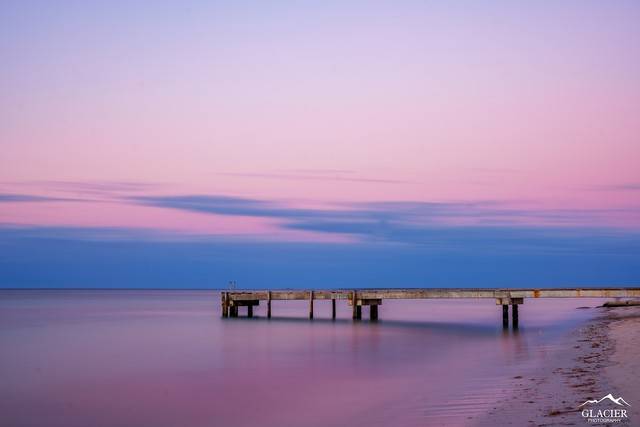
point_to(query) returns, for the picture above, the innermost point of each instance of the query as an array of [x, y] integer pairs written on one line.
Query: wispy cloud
[[432, 223], [446, 225], [13, 198], [83, 233], [225, 205], [512, 239], [630, 186], [325, 175], [89, 188]]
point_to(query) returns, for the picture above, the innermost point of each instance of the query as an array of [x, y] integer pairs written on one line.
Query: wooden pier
[[357, 298]]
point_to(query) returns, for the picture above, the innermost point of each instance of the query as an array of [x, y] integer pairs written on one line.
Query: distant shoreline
[[278, 288]]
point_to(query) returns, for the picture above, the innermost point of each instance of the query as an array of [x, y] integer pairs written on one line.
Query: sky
[[319, 144]]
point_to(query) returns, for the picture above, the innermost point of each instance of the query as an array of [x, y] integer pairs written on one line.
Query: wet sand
[[624, 369], [595, 359]]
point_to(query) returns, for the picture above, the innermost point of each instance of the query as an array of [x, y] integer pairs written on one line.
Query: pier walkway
[[357, 298]]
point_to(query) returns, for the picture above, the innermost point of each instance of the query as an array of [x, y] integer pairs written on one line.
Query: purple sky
[[338, 127]]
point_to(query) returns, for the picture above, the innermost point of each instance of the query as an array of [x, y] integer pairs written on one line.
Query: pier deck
[[357, 298]]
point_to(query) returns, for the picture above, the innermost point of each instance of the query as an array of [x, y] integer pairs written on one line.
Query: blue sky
[[324, 144], [120, 258]]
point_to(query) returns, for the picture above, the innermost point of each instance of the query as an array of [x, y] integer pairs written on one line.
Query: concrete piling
[[310, 304], [333, 308], [354, 307], [505, 316], [514, 316], [269, 305], [225, 304], [234, 304], [373, 312]]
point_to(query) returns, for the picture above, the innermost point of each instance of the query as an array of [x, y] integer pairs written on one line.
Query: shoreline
[[595, 359]]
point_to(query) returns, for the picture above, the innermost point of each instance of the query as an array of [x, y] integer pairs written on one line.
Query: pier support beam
[[225, 304], [506, 302], [333, 308], [310, 304], [372, 303], [354, 306], [373, 312], [233, 306], [269, 305], [505, 316]]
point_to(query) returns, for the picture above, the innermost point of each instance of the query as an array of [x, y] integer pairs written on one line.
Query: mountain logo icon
[[619, 401]]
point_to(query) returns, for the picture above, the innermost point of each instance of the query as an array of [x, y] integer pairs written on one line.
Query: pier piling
[[514, 315], [310, 304], [234, 304], [268, 304], [354, 306], [505, 316], [225, 304], [373, 312], [333, 308]]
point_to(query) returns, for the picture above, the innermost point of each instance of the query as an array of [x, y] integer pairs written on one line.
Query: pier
[[357, 298]]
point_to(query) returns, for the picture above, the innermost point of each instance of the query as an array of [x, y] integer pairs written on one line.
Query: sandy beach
[[599, 358]]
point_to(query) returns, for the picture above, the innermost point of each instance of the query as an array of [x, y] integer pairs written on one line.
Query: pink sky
[[536, 108]]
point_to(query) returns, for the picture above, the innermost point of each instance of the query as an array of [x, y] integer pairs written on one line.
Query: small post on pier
[[310, 304], [333, 308], [514, 314], [354, 306], [505, 316], [225, 304], [373, 312], [268, 304]]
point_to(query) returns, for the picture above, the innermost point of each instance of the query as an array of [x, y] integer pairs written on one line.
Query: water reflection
[[168, 358]]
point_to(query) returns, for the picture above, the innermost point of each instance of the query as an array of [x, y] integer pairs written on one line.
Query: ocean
[[166, 358]]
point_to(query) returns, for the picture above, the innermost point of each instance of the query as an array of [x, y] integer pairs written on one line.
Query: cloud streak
[[108, 189], [630, 186], [17, 198], [447, 226], [324, 176]]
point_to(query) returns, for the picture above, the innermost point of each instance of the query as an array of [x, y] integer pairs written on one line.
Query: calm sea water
[[167, 358]]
